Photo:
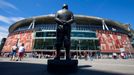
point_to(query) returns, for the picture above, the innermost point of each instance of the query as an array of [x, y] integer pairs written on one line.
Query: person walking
[[92, 55], [13, 53], [21, 52]]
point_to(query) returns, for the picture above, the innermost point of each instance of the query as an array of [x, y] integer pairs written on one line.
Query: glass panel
[[73, 34], [44, 44], [74, 45], [84, 44], [50, 34], [45, 34], [39, 34], [97, 44], [49, 44]]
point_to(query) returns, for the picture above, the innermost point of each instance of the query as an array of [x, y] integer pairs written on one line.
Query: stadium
[[88, 33]]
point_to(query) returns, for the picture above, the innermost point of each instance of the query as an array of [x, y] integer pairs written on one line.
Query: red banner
[[113, 41], [22, 37]]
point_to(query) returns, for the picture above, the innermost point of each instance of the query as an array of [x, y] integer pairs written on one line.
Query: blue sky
[[14, 10]]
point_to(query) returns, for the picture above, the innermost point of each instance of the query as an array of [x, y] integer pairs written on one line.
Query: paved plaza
[[34, 66]]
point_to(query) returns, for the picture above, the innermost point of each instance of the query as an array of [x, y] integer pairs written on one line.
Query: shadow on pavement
[[18, 68], [83, 66]]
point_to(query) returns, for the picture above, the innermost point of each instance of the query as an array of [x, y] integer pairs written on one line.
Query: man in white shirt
[[21, 52]]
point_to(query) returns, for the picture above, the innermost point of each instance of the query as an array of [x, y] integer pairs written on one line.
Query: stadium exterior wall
[[108, 41]]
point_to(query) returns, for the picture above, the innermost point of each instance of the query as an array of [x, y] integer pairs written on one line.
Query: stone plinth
[[62, 65]]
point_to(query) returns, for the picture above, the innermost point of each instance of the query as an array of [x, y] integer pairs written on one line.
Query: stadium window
[[39, 34]]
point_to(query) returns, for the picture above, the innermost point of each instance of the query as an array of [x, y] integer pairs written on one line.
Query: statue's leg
[[67, 46], [58, 47], [59, 42]]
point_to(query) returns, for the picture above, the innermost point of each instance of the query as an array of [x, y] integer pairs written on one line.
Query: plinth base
[[62, 65]]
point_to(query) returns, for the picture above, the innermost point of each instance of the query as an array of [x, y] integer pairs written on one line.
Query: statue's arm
[[71, 20], [58, 20]]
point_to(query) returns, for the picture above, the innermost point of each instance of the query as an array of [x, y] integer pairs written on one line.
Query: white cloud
[[5, 19], [10, 20], [15, 19], [7, 7], [3, 32], [4, 4], [3, 35], [3, 29]]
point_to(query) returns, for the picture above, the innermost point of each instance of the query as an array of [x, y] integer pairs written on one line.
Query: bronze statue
[[64, 18]]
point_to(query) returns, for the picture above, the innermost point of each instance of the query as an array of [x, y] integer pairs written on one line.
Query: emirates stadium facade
[[88, 33]]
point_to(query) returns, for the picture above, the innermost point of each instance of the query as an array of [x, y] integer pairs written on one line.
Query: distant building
[[3, 40], [132, 38]]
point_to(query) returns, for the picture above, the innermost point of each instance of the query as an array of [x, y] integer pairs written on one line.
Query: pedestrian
[[92, 55], [122, 55], [21, 52], [114, 56], [13, 52], [86, 55]]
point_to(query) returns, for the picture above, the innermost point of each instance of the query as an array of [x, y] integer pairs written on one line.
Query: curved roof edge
[[78, 19]]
